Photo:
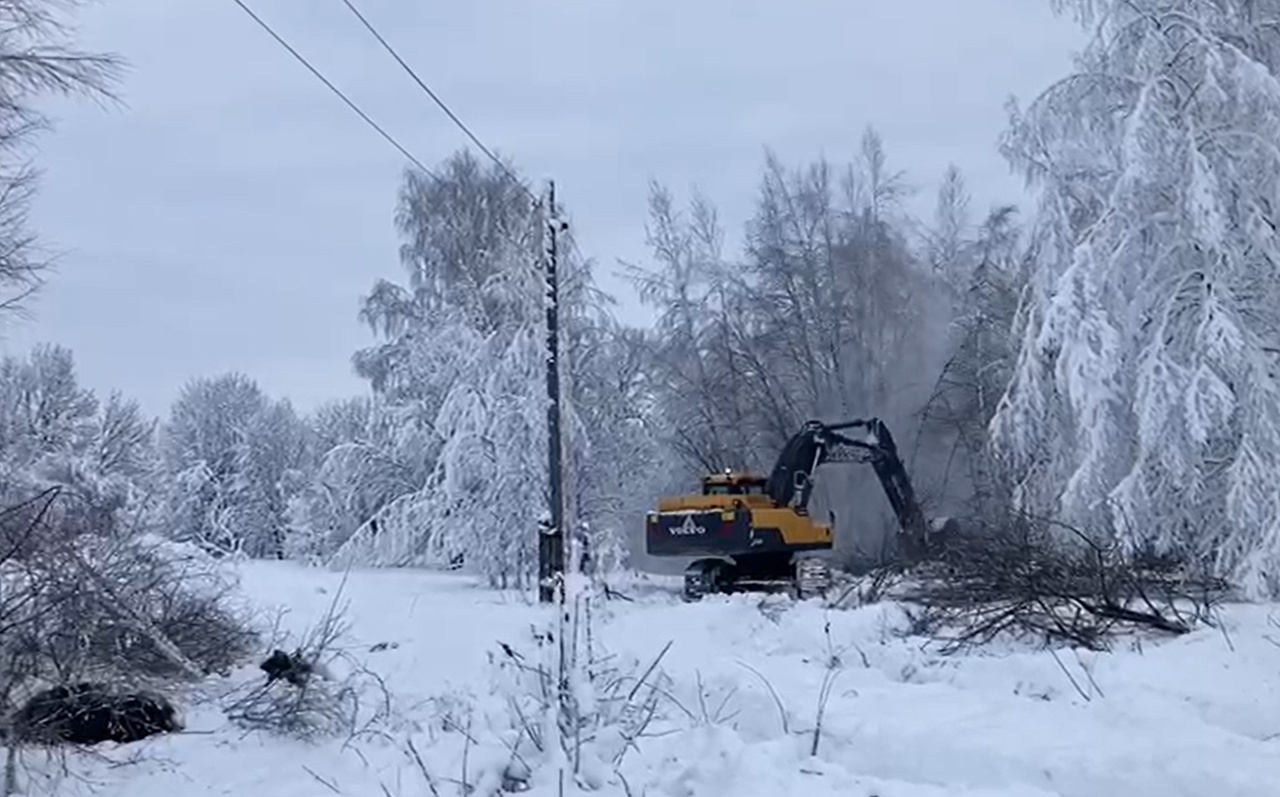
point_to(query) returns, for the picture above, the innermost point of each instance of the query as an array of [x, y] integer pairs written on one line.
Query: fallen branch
[[1020, 581]]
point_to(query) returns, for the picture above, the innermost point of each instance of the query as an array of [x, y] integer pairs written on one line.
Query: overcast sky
[[232, 215]]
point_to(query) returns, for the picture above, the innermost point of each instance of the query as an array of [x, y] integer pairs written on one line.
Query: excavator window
[[749, 488]]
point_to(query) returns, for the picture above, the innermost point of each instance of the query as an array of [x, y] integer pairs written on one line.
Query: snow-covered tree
[[459, 374], [360, 465], [616, 461], [1144, 401], [465, 314], [272, 469], [234, 459], [490, 483], [54, 432]]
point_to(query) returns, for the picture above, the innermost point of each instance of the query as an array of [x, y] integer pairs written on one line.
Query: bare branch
[[38, 59]]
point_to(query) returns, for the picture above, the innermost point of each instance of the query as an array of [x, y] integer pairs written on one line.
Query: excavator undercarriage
[[748, 532]]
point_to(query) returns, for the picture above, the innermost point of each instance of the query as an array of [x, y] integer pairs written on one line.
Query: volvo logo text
[[688, 528]]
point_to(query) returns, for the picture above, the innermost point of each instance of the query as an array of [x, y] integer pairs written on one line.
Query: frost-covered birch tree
[[1143, 401], [452, 341], [365, 455], [459, 372]]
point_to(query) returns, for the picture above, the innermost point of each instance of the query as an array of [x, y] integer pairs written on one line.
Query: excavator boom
[[816, 444]]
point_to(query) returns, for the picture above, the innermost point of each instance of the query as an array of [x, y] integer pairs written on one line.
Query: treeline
[[833, 309]]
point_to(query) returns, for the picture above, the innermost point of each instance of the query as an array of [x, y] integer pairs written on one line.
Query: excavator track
[[704, 577], [812, 578]]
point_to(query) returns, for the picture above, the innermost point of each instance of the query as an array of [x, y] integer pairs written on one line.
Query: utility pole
[[551, 536]]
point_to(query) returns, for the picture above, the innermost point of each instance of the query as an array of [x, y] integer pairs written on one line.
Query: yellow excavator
[[749, 532]]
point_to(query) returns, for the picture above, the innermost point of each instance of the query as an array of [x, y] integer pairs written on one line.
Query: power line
[[436, 98], [342, 96], [537, 201]]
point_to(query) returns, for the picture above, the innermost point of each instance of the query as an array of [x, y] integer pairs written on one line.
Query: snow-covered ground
[[1196, 716]]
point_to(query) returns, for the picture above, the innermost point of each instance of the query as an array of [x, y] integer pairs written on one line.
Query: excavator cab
[[722, 491], [733, 483]]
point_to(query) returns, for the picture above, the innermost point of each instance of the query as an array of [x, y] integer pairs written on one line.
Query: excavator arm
[[791, 480]]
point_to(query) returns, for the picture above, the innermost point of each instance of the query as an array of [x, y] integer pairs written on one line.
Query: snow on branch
[[1144, 401]]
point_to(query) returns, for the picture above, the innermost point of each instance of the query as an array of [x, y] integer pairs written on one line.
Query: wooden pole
[[551, 535]]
